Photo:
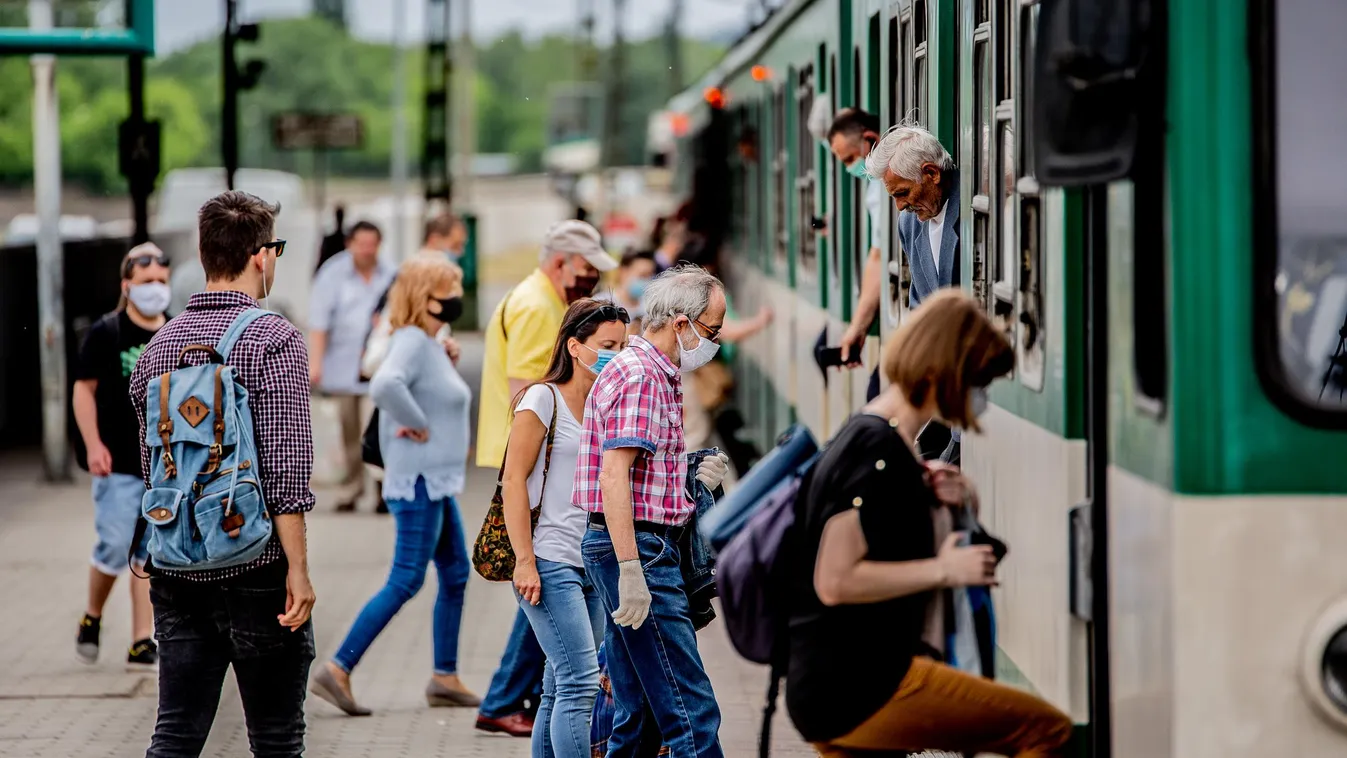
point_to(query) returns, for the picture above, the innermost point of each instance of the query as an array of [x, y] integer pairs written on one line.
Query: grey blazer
[[913, 233]]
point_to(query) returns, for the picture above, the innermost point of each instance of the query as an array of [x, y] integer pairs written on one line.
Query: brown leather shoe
[[515, 725]]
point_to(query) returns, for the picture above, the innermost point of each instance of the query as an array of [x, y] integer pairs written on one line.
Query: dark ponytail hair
[[577, 323]]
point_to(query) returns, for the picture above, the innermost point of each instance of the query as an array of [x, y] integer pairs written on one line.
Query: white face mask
[[979, 402], [691, 360], [150, 298]]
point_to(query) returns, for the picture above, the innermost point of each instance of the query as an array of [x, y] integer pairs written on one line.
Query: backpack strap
[[504, 306], [235, 330]]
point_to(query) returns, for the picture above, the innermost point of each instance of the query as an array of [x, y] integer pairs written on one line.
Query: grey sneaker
[[86, 644]]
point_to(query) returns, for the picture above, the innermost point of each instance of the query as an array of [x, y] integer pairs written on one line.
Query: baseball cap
[[578, 238]]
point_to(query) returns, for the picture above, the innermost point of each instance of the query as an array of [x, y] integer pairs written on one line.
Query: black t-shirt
[[108, 354], [846, 661]]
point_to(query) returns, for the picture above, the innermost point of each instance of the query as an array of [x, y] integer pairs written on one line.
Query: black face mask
[[584, 287], [450, 309]]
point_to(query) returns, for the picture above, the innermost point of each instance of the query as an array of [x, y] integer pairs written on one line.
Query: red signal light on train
[[714, 97], [760, 73], [679, 122]]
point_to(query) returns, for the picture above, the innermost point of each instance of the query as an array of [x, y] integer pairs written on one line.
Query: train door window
[[983, 114], [860, 221], [920, 69], [1301, 248], [781, 157], [1003, 170], [1029, 346], [900, 83], [805, 153]]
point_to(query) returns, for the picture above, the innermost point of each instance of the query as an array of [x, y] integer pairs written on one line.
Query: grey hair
[[904, 149], [683, 290]]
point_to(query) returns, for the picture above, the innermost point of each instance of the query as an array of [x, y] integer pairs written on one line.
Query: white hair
[[683, 290], [904, 149]]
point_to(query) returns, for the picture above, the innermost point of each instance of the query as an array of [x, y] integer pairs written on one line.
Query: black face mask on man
[[583, 287], [451, 308]]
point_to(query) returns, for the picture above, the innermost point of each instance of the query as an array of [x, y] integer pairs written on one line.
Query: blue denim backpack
[[204, 508]]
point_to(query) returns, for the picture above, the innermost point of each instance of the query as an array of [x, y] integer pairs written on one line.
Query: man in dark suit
[[919, 175]]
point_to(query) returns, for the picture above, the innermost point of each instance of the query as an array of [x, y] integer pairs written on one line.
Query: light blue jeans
[[428, 531], [568, 621]]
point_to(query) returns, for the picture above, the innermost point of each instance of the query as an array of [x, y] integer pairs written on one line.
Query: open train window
[[805, 155], [832, 188], [900, 101], [1029, 345], [1002, 192], [920, 67], [1300, 274], [860, 228], [983, 115]]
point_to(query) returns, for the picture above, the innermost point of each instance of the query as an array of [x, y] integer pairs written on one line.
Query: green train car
[[1155, 209]]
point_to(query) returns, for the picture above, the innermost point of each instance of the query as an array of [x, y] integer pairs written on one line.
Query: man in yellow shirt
[[519, 340], [523, 328]]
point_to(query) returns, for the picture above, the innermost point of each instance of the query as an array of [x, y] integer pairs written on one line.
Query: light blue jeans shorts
[[116, 510]]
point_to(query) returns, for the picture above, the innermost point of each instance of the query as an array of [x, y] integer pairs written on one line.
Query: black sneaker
[[143, 653], [86, 644]]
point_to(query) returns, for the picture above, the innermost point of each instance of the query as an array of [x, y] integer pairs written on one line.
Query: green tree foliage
[[314, 65]]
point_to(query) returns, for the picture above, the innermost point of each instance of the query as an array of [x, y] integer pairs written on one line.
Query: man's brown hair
[[945, 350], [441, 225], [233, 226]]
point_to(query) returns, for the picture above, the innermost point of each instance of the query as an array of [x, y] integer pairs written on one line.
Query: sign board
[[109, 27], [317, 131]]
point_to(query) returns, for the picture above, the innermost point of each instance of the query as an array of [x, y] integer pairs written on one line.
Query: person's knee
[[453, 575], [403, 585]]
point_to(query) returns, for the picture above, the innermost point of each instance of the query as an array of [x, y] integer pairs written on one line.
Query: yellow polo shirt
[[532, 319]]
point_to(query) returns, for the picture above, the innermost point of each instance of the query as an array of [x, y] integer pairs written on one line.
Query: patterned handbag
[[492, 554]]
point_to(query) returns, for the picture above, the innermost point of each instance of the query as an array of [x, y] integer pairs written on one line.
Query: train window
[[1002, 172], [1029, 346], [832, 188], [781, 156], [1301, 247], [805, 154], [899, 276], [982, 160], [860, 227], [919, 62]]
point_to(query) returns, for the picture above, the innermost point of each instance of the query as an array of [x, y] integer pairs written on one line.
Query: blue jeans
[[568, 621], [203, 628], [428, 530], [520, 675], [116, 511], [656, 671]]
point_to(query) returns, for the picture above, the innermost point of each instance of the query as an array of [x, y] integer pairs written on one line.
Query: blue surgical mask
[[857, 169], [637, 288], [602, 359]]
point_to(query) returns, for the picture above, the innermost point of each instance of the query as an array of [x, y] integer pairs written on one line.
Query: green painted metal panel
[[136, 38]]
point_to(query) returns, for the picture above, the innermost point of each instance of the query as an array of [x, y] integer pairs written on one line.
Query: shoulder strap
[[504, 305], [551, 436], [235, 330]]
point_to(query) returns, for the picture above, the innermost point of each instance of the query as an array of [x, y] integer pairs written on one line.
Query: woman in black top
[[874, 546]]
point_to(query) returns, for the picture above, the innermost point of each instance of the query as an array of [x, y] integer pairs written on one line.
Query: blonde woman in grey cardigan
[[423, 432]]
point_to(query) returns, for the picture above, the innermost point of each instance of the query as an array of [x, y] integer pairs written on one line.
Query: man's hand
[[299, 599], [853, 341], [316, 373], [713, 469], [452, 349], [633, 595], [100, 459]]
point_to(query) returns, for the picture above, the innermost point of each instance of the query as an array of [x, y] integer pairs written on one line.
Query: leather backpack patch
[[194, 411]]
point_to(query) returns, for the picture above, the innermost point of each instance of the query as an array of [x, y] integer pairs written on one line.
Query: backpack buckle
[[213, 461], [170, 467]]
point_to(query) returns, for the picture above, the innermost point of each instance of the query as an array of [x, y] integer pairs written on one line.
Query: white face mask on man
[[691, 359], [150, 298]]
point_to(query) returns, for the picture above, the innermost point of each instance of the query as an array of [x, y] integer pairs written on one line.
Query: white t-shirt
[[561, 524], [874, 203], [936, 230]]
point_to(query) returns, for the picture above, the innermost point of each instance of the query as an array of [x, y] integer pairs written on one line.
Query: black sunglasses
[[141, 261], [278, 245], [607, 313]]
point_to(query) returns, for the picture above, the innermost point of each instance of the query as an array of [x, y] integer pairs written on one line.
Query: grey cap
[[578, 238]]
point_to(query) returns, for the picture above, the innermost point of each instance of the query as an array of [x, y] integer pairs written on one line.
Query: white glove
[[633, 596], [713, 469]]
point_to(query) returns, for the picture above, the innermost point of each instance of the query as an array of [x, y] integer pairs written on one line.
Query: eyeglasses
[[711, 334], [141, 261], [607, 312], [277, 245]]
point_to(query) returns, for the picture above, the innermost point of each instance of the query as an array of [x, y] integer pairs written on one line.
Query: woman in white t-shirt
[[549, 578]]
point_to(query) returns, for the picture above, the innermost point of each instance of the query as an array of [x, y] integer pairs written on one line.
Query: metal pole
[[140, 191], [229, 108], [398, 170], [675, 43], [467, 111], [50, 268]]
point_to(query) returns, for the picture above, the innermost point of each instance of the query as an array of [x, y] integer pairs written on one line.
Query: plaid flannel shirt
[[637, 402], [272, 363]]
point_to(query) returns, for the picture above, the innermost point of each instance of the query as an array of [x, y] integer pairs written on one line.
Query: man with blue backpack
[[222, 397]]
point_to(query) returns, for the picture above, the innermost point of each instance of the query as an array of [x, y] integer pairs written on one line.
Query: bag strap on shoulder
[[551, 437], [505, 306], [235, 330]]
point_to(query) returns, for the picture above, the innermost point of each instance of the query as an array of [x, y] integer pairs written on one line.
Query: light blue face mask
[[857, 169], [604, 356], [637, 288]]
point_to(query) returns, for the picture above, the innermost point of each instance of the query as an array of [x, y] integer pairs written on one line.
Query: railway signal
[[235, 81]]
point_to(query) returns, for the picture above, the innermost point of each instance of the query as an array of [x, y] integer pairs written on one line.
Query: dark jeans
[[203, 628], [520, 676], [656, 672]]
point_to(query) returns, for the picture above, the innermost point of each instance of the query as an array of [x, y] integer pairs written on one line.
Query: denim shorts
[[116, 510]]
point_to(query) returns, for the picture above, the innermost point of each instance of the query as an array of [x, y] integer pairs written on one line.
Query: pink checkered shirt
[[637, 402], [272, 362]]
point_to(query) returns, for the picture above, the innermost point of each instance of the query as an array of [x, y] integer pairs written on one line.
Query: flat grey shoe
[[439, 696], [325, 687]]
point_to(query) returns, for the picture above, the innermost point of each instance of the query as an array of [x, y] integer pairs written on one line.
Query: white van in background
[[174, 229]]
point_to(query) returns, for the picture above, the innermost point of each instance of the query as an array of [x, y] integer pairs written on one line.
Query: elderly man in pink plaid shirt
[[632, 479]]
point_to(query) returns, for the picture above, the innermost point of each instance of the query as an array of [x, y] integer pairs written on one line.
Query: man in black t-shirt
[[110, 448]]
